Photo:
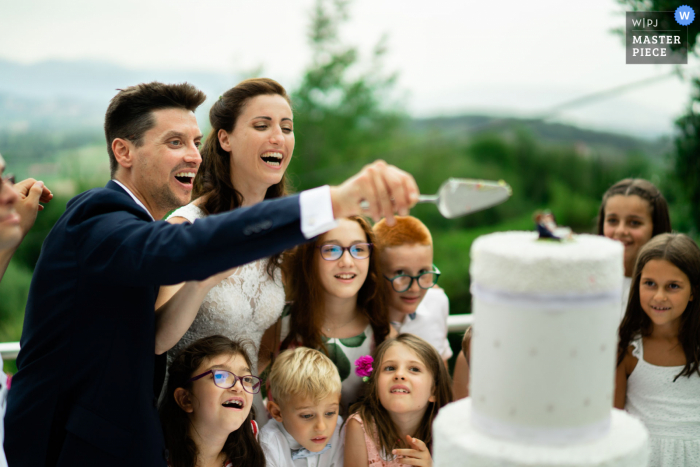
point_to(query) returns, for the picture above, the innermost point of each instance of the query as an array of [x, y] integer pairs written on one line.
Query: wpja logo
[[658, 37]]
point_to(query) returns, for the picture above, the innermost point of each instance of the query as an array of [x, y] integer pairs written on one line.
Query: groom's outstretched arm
[[118, 246], [116, 243]]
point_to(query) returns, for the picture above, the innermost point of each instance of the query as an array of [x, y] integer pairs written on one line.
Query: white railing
[[455, 324], [459, 323], [9, 350]]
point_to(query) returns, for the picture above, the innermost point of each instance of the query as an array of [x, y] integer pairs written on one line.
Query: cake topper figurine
[[547, 227]]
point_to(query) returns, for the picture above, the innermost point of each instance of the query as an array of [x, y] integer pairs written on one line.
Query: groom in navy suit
[[84, 391]]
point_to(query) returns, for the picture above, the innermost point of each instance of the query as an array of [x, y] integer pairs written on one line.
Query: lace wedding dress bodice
[[241, 307]]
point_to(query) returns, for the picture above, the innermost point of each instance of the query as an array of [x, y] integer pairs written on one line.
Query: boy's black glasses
[[425, 280], [226, 380], [333, 252]]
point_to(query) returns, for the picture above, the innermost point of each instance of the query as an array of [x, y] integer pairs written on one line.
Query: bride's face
[[262, 142], [343, 277]]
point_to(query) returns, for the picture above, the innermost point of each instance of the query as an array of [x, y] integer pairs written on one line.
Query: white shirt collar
[[138, 201], [293, 444]]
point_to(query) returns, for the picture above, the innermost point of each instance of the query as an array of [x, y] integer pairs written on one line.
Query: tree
[[341, 110], [686, 156]]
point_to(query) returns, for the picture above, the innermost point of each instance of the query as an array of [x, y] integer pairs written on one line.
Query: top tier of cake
[[543, 348], [519, 263]]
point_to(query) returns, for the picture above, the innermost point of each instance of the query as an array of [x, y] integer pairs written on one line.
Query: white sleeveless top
[[241, 307], [670, 410]]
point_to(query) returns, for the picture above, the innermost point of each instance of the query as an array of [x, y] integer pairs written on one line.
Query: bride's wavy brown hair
[[305, 291], [213, 178], [241, 447]]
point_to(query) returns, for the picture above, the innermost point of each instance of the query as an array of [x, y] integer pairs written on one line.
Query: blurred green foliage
[[685, 189], [341, 110]]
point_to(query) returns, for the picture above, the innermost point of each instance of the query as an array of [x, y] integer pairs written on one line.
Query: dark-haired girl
[[206, 413], [633, 211], [336, 288], [658, 373]]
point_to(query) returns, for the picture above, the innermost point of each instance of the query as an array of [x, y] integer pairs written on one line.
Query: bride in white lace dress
[[241, 307], [243, 162]]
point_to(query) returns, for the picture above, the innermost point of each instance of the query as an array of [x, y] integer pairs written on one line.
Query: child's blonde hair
[[303, 372], [408, 230]]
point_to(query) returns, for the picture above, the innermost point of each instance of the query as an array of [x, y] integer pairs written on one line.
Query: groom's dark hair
[[130, 112]]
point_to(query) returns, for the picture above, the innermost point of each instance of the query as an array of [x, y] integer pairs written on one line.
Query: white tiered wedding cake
[[543, 357]]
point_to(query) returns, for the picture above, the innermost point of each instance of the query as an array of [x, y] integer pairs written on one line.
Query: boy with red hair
[[416, 305]]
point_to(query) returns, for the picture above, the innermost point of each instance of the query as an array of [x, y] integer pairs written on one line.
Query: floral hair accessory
[[363, 367]]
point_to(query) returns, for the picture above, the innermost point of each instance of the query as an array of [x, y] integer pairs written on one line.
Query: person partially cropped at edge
[[84, 392], [19, 205]]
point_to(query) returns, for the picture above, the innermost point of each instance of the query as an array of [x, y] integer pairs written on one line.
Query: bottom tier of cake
[[456, 442]]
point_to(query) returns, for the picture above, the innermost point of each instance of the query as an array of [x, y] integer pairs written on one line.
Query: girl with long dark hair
[[206, 413]]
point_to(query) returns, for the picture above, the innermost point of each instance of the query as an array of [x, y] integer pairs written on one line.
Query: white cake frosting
[[456, 442], [543, 356], [519, 263]]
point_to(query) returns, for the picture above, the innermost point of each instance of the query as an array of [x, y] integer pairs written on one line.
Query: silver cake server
[[461, 196]]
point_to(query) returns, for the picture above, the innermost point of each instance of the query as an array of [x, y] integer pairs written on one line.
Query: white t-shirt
[[278, 444], [429, 322]]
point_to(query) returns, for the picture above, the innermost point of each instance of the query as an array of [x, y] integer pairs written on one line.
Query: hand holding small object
[[378, 190], [31, 193], [418, 455]]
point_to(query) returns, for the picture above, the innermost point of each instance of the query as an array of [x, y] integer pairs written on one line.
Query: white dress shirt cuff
[[316, 211]]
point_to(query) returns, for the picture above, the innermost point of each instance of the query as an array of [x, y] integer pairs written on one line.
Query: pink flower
[[363, 366]]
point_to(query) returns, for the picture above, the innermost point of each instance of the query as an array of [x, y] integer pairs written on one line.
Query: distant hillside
[[94, 81], [59, 106], [64, 95], [605, 143]]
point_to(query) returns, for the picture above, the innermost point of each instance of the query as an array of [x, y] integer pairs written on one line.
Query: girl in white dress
[[633, 211], [336, 288], [658, 373]]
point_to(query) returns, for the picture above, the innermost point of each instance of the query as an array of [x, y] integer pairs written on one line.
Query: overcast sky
[[451, 56]]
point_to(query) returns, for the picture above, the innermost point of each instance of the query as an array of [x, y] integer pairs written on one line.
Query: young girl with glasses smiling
[[337, 293], [206, 413]]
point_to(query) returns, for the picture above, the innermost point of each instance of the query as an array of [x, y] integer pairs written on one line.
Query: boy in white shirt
[[305, 429], [415, 304]]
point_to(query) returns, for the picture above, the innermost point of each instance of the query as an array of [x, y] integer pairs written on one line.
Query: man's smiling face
[[167, 160]]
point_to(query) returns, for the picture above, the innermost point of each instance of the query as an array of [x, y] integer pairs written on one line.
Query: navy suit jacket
[[83, 393]]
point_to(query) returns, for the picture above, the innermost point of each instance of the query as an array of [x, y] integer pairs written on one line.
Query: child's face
[[404, 383], [664, 292], [343, 277], [215, 408], [628, 220], [411, 260], [309, 421]]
